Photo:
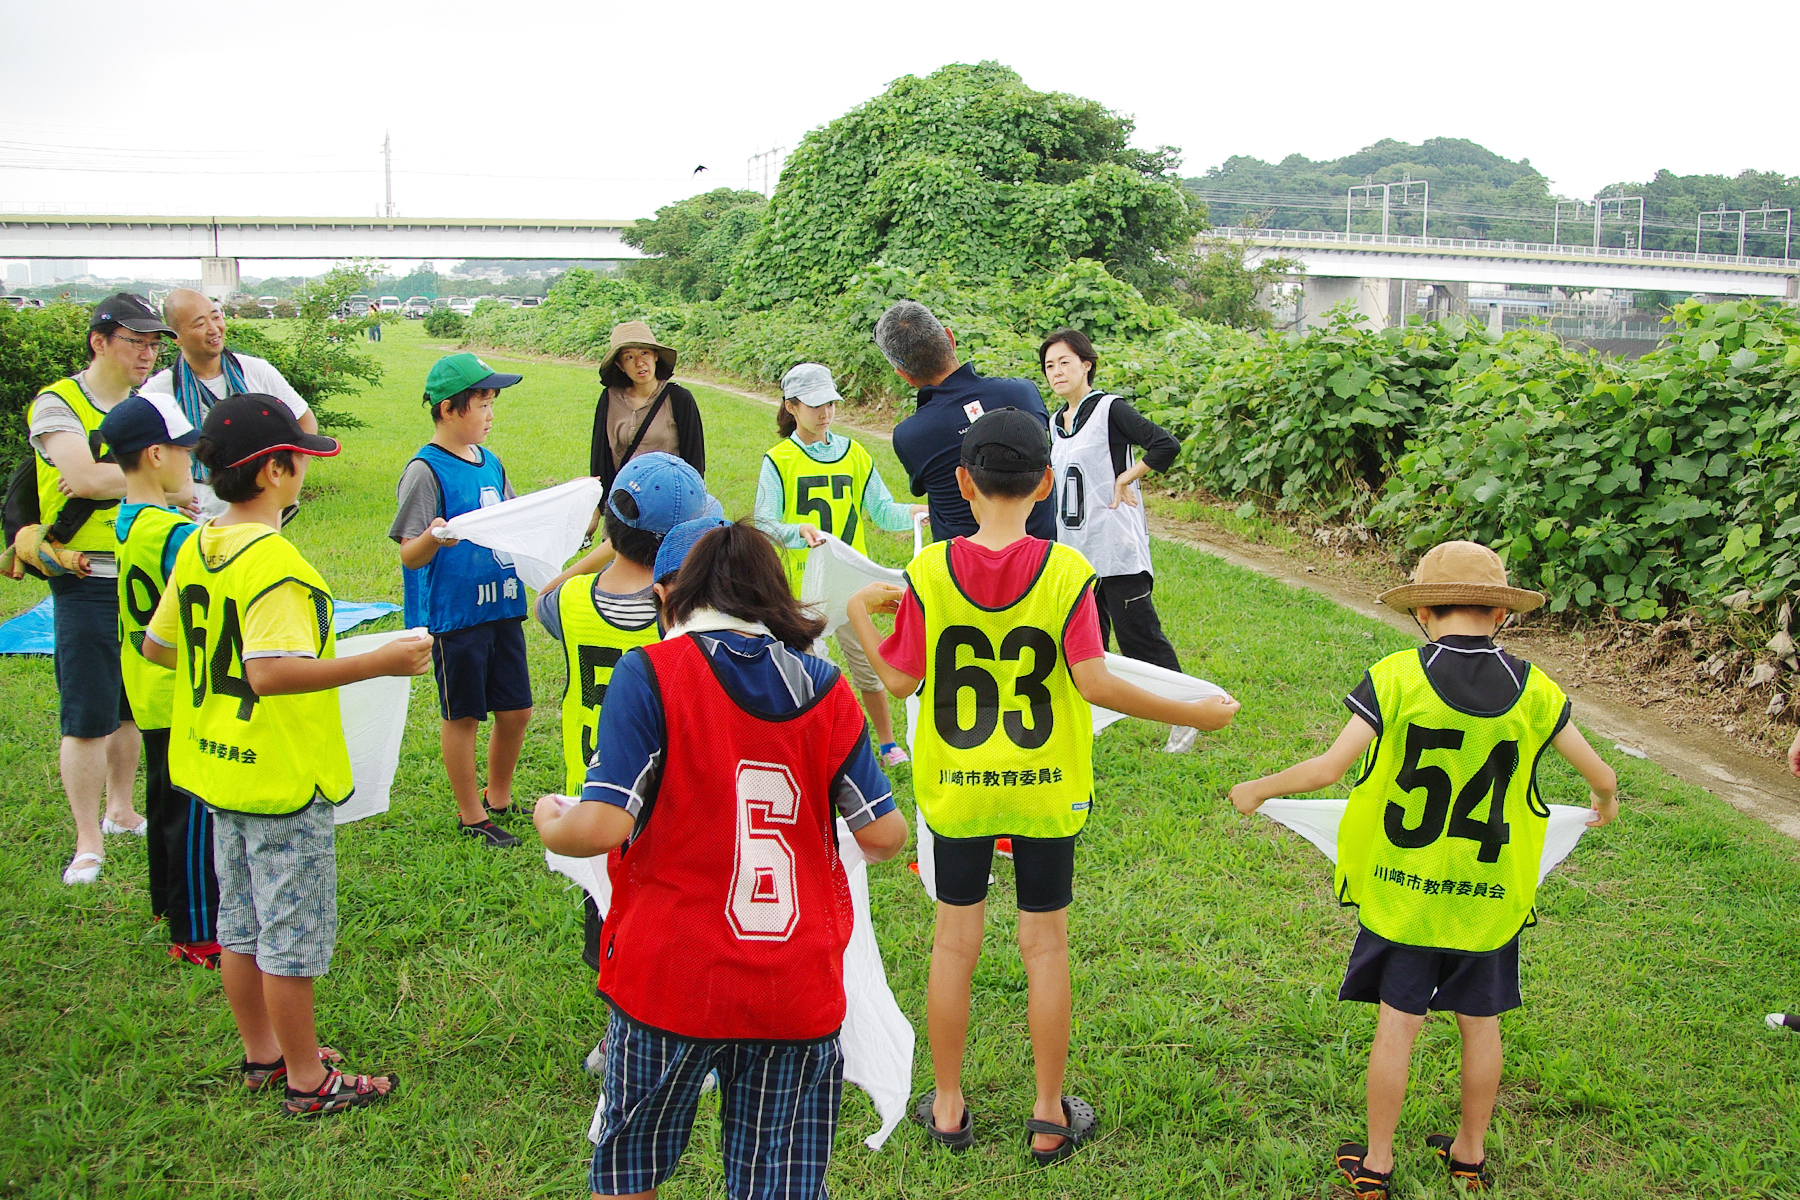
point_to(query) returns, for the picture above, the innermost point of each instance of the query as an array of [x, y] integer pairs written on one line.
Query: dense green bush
[[37, 346], [442, 323]]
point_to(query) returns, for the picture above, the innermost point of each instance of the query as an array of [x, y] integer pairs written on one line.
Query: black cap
[[130, 310], [248, 426], [139, 421], [1007, 439]]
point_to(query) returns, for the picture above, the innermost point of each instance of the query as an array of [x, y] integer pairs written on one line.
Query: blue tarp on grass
[[31, 632]]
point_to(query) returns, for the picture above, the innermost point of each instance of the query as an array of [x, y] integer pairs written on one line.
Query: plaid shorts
[[278, 888], [778, 1103]]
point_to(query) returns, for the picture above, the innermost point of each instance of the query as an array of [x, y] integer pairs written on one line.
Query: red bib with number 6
[[730, 909]]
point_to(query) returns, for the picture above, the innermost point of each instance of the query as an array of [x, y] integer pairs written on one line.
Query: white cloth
[[834, 573], [541, 530], [1317, 822], [1115, 540], [260, 375], [374, 716], [877, 1038]]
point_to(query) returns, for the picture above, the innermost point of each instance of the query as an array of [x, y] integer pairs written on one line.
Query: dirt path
[[1751, 783]]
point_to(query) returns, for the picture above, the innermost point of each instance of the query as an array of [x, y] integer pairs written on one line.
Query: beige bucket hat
[[635, 333], [1460, 573]]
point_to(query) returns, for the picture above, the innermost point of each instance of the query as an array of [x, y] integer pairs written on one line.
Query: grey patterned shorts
[[278, 888]]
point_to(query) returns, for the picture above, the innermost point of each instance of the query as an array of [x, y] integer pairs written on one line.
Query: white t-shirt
[[259, 376]]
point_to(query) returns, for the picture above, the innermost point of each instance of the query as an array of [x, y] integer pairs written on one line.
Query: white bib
[[1116, 541]]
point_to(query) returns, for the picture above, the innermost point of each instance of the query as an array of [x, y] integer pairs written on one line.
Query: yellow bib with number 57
[[235, 750], [1004, 744], [1440, 841]]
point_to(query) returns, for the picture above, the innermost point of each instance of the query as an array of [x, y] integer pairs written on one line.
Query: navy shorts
[[89, 683], [778, 1105], [1418, 981], [1043, 871], [481, 669]]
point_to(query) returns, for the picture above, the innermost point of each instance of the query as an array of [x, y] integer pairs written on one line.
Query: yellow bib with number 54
[[1440, 841], [1004, 744]]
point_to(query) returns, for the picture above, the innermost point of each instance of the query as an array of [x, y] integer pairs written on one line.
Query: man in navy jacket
[[951, 397]]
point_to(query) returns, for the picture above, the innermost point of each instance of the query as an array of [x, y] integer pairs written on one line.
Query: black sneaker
[[495, 837]]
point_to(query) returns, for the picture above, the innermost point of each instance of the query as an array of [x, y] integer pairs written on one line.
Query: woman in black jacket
[[640, 409]]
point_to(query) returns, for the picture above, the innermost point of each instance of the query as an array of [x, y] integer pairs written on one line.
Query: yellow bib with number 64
[[1004, 744]]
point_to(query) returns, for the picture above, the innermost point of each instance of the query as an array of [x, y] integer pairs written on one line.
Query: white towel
[[541, 530], [877, 1038], [1317, 822], [373, 713]]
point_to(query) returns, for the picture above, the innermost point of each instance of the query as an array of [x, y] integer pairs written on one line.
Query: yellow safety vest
[[826, 494], [592, 647], [1441, 839], [235, 750], [96, 533], [150, 688], [1005, 741]]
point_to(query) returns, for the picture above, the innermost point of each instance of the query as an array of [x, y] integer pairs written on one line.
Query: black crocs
[[957, 1140], [1474, 1176], [1364, 1183], [1080, 1118]]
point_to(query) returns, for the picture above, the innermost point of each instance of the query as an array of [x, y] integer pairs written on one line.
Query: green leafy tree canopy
[[969, 170], [695, 242]]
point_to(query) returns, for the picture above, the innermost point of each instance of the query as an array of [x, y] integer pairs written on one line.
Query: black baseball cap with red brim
[[253, 424]]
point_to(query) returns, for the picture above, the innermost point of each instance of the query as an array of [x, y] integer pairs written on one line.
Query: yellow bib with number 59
[[1440, 842], [235, 750], [1004, 744]]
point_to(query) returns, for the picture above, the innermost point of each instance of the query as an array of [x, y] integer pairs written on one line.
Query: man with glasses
[[100, 743]]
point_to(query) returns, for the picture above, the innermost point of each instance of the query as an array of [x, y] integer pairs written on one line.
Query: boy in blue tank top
[[467, 595]]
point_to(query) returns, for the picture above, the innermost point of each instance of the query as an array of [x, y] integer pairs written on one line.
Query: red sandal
[[259, 1075], [338, 1093]]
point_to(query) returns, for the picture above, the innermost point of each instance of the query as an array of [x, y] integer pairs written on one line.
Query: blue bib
[[464, 584]]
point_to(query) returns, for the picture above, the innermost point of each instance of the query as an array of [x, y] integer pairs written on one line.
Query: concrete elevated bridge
[[219, 242], [1363, 267]]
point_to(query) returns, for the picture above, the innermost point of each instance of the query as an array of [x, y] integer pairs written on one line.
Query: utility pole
[[387, 168], [767, 165]]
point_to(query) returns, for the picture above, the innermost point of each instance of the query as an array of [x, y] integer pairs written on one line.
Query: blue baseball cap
[[656, 492], [678, 541], [139, 421]]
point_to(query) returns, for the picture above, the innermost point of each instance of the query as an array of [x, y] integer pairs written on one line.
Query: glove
[[33, 548]]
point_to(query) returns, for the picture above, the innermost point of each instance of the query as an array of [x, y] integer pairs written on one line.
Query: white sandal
[[110, 826], [75, 873]]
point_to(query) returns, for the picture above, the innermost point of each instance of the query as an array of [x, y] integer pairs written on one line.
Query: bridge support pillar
[[1368, 299], [219, 277]]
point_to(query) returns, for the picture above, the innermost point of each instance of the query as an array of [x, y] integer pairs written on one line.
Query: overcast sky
[[529, 108]]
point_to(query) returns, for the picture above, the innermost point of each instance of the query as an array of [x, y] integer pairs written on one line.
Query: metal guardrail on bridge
[[1503, 249]]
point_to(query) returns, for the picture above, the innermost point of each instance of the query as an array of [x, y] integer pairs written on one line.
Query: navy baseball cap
[[130, 310], [1007, 439], [139, 421], [656, 492], [679, 541], [253, 424]]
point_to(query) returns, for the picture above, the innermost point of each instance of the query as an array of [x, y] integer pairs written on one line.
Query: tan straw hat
[[635, 333], [1460, 573]]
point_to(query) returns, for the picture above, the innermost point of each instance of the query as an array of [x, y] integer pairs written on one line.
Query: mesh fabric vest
[[96, 533], [149, 687], [465, 584], [1005, 741], [592, 647], [235, 750], [1441, 838], [826, 494], [730, 908]]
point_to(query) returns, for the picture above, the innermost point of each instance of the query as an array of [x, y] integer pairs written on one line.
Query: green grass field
[[1207, 947]]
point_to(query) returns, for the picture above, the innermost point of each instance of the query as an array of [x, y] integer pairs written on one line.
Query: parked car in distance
[[358, 304], [415, 307], [21, 302], [530, 301], [268, 302], [509, 301], [390, 304], [440, 302], [461, 307]]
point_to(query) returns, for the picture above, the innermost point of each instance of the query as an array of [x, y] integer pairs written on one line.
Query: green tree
[[969, 171], [1220, 285], [317, 355], [695, 243], [38, 346]]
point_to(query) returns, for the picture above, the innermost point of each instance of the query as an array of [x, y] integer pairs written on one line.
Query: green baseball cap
[[454, 373]]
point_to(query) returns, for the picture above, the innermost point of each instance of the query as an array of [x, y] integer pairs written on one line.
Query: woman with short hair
[[642, 408]]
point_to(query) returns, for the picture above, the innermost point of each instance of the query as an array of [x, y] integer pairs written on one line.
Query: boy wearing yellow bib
[[998, 634], [815, 482], [1440, 843], [255, 734], [151, 439]]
